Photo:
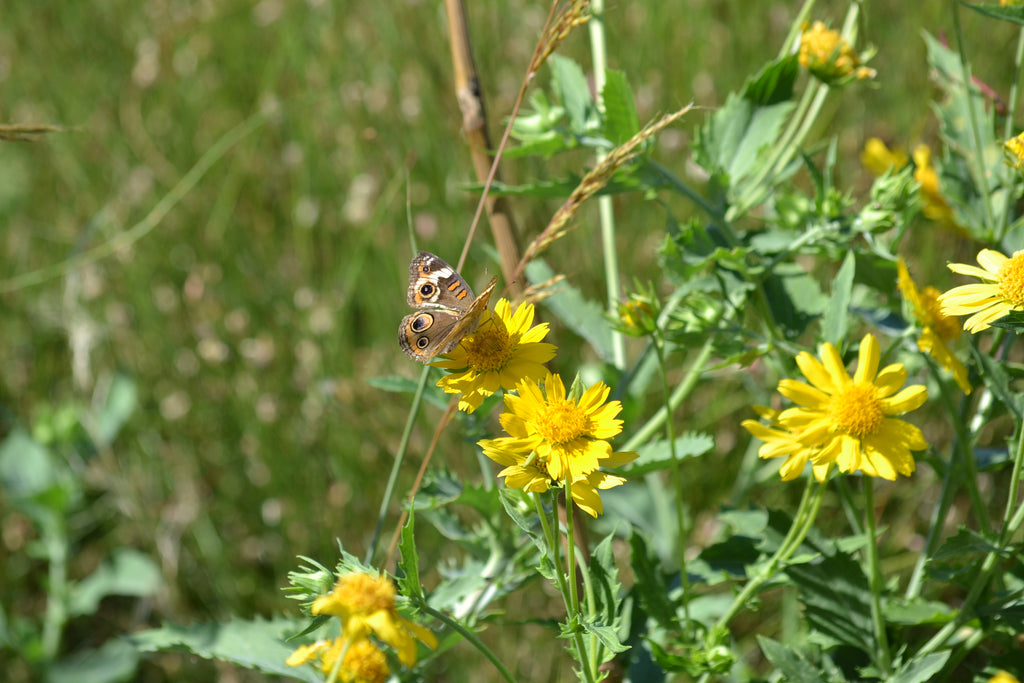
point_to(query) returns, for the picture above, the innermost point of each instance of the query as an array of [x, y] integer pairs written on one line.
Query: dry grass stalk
[[20, 132]]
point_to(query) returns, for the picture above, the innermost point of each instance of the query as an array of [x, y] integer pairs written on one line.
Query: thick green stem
[[875, 582]]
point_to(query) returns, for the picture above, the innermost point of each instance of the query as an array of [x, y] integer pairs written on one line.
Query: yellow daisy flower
[[504, 350], [1015, 151], [847, 421], [1001, 292], [779, 442], [366, 605], [826, 54], [553, 439], [363, 662], [938, 330]]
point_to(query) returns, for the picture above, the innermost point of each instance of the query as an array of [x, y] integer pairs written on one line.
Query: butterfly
[[447, 310]]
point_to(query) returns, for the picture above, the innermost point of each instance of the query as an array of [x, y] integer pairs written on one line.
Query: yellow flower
[[366, 605], [938, 330], [827, 55], [781, 442], [878, 158], [554, 439], [848, 421], [1001, 292], [1015, 151], [363, 662], [503, 351], [1003, 676]]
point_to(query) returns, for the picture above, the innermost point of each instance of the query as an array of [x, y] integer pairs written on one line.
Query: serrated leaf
[[258, 644], [651, 586], [790, 662], [127, 572], [657, 455], [837, 315], [583, 316], [115, 660], [606, 635], [409, 560], [620, 118], [836, 585]]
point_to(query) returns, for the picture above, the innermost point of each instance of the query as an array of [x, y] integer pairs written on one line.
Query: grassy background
[[252, 315]]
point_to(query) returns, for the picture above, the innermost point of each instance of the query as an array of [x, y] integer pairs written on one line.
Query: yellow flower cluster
[[827, 55], [1015, 151], [365, 605]]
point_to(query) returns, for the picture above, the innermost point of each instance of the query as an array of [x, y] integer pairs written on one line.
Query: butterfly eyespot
[[426, 289], [421, 323], [422, 342]]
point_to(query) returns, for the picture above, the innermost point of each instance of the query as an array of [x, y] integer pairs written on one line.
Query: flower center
[[365, 594], [561, 422], [854, 409], [1011, 279], [490, 348]]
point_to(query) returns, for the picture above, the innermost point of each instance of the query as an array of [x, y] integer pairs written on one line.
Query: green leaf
[[734, 138], [115, 660], [27, 467], [657, 455], [836, 322], [774, 83], [607, 636], [583, 316], [571, 87], [1011, 13], [620, 118], [997, 380], [651, 584], [918, 611], [120, 401], [921, 670], [793, 665], [128, 572], [258, 644], [836, 586], [409, 560], [404, 385]]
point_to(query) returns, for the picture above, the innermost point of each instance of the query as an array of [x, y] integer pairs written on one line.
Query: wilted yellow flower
[[505, 349], [938, 330], [553, 439], [1001, 292], [826, 54], [935, 205], [847, 421], [1015, 151]]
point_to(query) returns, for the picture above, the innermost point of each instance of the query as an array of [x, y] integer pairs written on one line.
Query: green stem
[[471, 637], [806, 513], [677, 472], [683, 389], [396, 466], [1011, 178], [56, 616], [336, 669], [875, 581], [605, 207]]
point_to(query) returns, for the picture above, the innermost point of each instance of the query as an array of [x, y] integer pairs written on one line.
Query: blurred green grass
[[253, 314]]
